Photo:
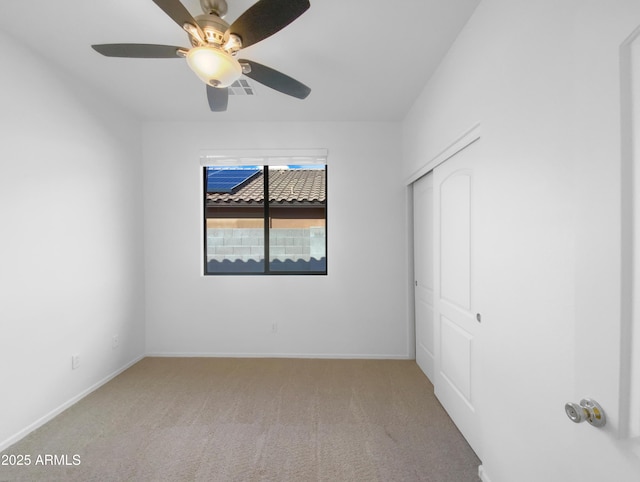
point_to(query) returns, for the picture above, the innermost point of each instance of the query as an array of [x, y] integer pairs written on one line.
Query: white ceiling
[[365, 60]]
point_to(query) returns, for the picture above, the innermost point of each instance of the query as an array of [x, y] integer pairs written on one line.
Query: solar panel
[[227, 180]]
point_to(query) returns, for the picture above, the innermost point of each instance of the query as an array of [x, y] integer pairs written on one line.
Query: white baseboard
[[483, 474], [57, 411], [278, 355]]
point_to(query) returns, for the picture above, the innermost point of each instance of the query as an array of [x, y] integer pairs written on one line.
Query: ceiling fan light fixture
[[214, 66]]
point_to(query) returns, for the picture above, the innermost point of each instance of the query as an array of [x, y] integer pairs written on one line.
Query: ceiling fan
[[215, 44]]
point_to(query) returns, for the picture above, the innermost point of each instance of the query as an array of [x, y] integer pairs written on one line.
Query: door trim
[[630, 266], [465, 139]]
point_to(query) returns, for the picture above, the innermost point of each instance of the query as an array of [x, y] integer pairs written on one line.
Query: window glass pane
[[234, 212], [297, 219]]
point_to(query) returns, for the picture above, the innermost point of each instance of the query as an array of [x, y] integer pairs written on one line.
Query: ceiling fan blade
[[139, 51], [218, 98], [179, 14], [265, 18], [276, 80]]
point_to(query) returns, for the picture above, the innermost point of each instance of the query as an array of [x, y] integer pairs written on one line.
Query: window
[[246, 235]]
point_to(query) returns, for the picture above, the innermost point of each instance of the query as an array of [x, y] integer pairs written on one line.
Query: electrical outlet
[[274, 328], [115, 341], [75, 361]]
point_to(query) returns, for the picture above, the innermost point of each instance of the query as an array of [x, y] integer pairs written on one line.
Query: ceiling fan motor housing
[[213, 27]]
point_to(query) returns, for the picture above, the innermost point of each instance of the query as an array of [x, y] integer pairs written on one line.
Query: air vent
[[241, 87]]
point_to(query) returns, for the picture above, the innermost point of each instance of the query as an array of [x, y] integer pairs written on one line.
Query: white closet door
[[423, 268], [456, 326]]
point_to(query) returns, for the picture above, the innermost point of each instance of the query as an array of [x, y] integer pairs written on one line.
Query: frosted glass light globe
[[214, 66]]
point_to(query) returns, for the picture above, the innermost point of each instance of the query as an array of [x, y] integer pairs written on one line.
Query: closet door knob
[[588, 410]]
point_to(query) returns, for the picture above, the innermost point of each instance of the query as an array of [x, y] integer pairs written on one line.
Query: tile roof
[[285, 186]]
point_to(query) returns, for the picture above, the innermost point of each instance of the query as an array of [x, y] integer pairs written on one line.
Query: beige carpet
[[212, 419]]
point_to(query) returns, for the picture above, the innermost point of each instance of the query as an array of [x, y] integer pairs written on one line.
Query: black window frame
[[266, 206]]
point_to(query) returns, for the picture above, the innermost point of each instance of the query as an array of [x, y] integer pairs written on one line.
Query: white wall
[[542, 78], [358, 310], [71, 240]]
